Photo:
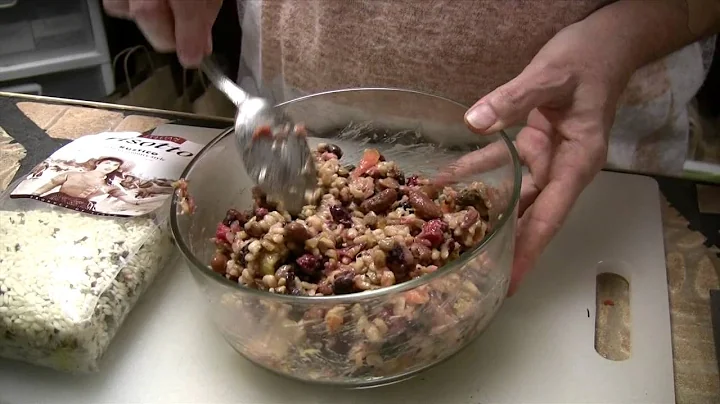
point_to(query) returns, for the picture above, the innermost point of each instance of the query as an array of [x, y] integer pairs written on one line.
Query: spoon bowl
[[274, 150]]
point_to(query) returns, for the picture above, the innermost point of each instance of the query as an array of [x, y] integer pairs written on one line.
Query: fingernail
[[481, 117], [189, 59]]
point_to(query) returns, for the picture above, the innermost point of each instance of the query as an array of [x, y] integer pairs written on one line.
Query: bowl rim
[[205, 269]]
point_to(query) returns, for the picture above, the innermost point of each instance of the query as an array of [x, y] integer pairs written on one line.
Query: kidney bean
[[297, 232], [380, 202], [424, 207], [219, 262], [470, 218], [388, 182], [254, 230], [431, 191]]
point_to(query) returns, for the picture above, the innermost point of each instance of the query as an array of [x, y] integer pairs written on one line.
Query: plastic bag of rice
[[81, 238]]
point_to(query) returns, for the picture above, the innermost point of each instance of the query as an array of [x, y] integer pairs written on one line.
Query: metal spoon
[[274, 150]]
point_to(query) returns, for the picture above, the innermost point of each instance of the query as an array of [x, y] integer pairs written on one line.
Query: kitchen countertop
[[32, 127]]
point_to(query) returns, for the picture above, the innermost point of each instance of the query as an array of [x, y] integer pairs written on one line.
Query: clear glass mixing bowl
[[378, 336]]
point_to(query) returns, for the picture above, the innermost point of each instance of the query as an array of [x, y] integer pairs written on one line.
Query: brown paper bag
[[156, 91], [212, 102], [183, 102]]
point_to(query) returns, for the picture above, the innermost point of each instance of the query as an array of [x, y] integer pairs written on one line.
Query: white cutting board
[[539, 349]]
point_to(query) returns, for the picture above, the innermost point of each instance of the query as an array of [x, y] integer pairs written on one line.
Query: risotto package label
[[116, 173], [81, 238]]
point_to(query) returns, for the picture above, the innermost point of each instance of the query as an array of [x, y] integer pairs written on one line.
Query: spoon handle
[[223, 83]]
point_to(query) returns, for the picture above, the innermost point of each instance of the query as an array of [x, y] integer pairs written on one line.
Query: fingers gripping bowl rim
[[435, 117]]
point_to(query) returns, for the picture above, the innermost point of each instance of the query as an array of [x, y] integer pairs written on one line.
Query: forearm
[[44, 188], [633, 33], [48, 186]]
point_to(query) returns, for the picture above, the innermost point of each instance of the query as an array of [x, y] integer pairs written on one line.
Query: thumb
[[512, 102]]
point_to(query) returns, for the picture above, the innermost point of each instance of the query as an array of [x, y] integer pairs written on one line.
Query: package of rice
[[82, 236]]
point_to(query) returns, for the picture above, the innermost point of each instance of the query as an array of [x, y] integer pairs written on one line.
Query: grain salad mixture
[[68, 280], [367, 226]]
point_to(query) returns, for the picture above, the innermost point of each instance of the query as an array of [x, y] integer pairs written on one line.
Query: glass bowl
[[378, 336]]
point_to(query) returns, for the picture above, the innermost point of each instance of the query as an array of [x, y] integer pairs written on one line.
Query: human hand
[[567, 97], [184, 26]]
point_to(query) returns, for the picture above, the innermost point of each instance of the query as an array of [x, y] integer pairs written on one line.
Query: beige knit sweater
[[459, 49]]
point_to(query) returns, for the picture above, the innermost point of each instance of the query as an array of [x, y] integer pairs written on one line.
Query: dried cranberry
[[234, 215], [286, 272], [395, 255], [338, 345], [229, 217], [397, 325], [221, 232], [260, 213], [432, 232], [436, 295], [436, 224], [325, 289], [396, 337], [341, 215], [400, 261], [412, 181], [314, 313], [385, 314], [344, 283], [308, 263], [241, 256]]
